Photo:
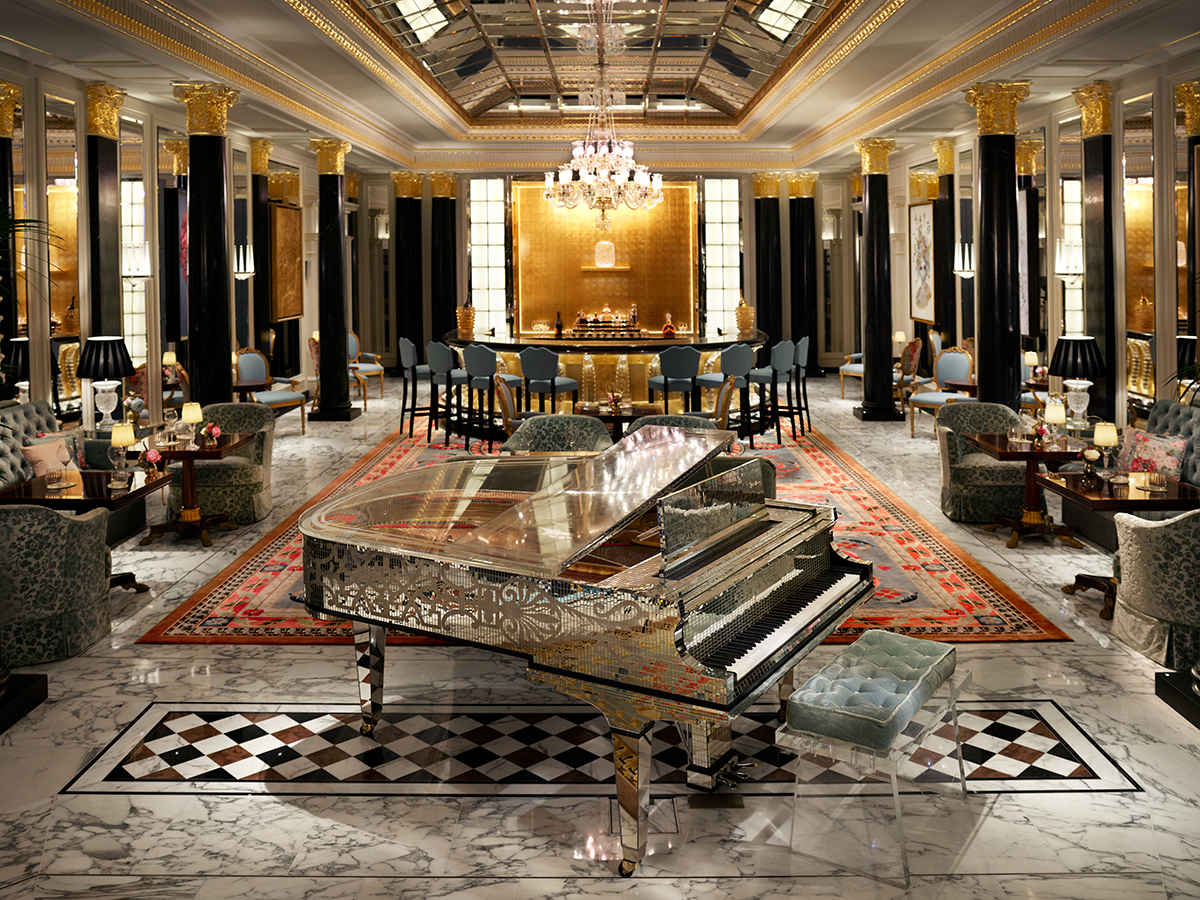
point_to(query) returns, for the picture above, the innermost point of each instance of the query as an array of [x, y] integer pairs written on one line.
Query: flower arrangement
[[149, 459], [211, 430], [132, 406]]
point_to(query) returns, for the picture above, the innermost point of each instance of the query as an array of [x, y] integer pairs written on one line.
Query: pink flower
[[212, 430], [151, 455]]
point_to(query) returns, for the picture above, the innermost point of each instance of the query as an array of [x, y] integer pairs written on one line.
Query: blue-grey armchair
[[975, 487]]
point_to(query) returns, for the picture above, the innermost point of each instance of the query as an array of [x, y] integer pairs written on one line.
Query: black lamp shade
[[1185, 350], [105, 359], [1077, 356], [18, 358]]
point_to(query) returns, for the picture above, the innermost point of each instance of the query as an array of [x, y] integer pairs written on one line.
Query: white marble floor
[[1131, 845]]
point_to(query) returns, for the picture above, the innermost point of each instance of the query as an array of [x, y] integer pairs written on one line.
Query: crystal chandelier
[[602, 172]]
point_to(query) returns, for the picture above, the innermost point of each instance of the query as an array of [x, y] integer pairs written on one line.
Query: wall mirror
[[17, 323], [1181, 223], [62, 215], [1068, 266], [1031, 232], [837, 317], [239, 260], [1137, 151], [172, 219], [965, 178]]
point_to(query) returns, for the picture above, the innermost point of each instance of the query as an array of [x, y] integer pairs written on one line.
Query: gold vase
[[466, 320], [210, 441], [745, 317]]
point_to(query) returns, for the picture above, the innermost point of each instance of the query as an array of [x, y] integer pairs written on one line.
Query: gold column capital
[[944, 148], [802, 184], [995, 105], [766, 184], [1187, 95], [103, 103], [922, 186], [1027, 152], [353, 184], [443, 184], [260, 156], [1096, 102], [874, 153], [855, 184], [179, 152], [407, 184], [331, 155], [207, 106], [283, 185], [10, 102]]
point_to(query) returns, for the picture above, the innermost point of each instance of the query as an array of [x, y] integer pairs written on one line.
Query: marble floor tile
[[281, 888], [161, 887], [441, 889]]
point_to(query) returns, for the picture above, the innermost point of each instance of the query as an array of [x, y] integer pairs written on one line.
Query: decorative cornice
[[207, 107], [407, 184], [1095, 100], [874, 153], [803, 184], [10, 102], [1027, 152], [260, 156], [855, 185], [1187, 95], [443, 184], [353, 182], [103, 103], [944, 148], [766, 184], [331, 155], [179, 154], [995, 105]]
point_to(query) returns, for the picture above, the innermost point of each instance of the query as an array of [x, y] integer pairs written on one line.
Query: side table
[[190, 521]]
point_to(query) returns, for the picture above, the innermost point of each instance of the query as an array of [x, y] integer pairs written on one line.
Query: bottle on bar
[[558, 324]]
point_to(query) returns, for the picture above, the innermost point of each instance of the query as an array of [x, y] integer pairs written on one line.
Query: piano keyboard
[[761, 639]]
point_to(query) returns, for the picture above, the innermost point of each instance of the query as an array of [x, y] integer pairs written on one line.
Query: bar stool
[[800, 376], [481, 370], [411, 372], [446, 376], [783, 357], [679, 367], [540, 367], [736, 360]]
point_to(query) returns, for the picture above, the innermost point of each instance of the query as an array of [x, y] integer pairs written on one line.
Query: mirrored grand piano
[[653, 580]]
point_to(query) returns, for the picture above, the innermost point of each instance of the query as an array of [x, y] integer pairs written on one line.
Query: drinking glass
[[1156, 481]]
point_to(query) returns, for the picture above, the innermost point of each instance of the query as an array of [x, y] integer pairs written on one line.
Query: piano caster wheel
[[735, 773], [366, 728], [625, 869]]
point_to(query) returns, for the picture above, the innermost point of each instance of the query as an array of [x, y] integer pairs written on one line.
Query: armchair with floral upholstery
[[558, 434], [975, 487], [239, 485]]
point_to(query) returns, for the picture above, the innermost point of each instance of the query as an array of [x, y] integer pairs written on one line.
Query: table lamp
[[105, 360], [1055, 414], [191, 416], [18, 359], [169, 358], [1077, 361], [1105, 437], [122, 437]]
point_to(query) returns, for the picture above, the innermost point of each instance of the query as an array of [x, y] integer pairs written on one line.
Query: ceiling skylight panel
[[424, 19]]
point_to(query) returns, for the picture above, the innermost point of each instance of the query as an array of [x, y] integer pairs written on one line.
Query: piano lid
[[526, 515]]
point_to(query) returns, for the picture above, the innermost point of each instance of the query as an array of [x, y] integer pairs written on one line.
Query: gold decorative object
[[874, 153], [207, 106], [407, 184], [856, 185], [1187, 95], [802, 184], [466, 320], [331, 155], [766, 184], [745, 317], [287, 262], [260, 156], [10, 102], [353, 181], [1027, 152], [1095, 101], [443, 184], [284, 186], [995, 105], [931, 186], [922, 186], [944, 148], [103, 103], [179, 154]]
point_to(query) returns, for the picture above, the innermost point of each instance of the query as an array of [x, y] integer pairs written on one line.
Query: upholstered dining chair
[[412, 373], [721, 406], [852, 368], [364, 363], [905, 378], [558, 434], [239, 485], [976, 487], [678, 368], [252, 365], [951, 363], [539, 365], [314, 351], [507, 403], [783, 357]]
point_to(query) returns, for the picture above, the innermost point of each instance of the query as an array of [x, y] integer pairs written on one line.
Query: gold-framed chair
[[314, 350], [365, 365], [252, 365], [951, 363]]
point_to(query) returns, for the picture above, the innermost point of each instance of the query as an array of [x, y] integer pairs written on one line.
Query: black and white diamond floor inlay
[[481, 750]]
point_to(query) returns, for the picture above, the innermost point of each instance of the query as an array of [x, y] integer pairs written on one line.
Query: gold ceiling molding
[[995, 105], [874, 153], [1187, 95], [407, 184], [10, 102], [443, 184], [766, 185], [103, 103], [288, 93], [331, 155], [1047, 23], [1027, 152], [944, 148], [1095, 100], [260, 156], [179, 156], [803, 184]]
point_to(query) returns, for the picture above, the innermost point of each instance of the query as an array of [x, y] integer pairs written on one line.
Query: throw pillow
[[1161, 455], [1125, 454], [50, 456], [73, 440]]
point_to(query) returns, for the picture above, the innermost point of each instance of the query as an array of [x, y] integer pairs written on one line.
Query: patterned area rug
[[925, 584]]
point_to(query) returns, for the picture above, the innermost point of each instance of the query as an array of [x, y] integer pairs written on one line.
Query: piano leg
[[631, 757], [711, 753], [369, 641], [787, 685]]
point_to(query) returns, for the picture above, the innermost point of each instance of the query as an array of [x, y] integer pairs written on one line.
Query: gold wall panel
[[287, 263], [656, 265], [62, 208], [1181, 207], [1139, 258]]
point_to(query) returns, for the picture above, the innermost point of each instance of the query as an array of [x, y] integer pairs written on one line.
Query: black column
[[768, 268], [1028, 195], [331, 315], [172, 213], [104, 232], [408, 271], [8, 268], [998, 344], [260, 211], [1193, 252], [802, 216], [1099, 281], [878, 403], [443, 265], [945, 293], [208, 272]]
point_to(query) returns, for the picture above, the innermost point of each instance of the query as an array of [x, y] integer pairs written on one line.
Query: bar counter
[[653, 342]]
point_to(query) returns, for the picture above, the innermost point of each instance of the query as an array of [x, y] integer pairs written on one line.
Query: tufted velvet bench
[[860, 709]]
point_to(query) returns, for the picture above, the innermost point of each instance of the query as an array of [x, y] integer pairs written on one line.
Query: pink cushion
[[1161, 455], [49, 457]]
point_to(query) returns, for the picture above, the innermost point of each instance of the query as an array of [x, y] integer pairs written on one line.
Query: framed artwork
[[287, 263], [920, 263]]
